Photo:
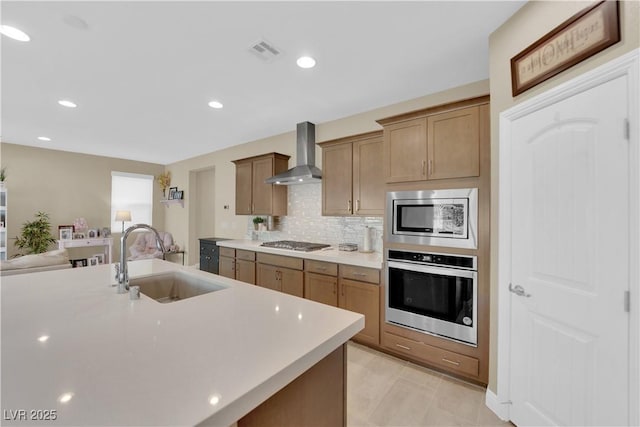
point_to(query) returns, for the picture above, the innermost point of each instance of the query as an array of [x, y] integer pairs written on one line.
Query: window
[[132, 192]]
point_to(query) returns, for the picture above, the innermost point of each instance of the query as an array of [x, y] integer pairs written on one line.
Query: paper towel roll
[[366, 246]]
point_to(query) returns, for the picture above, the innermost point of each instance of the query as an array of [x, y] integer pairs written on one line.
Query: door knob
[[518, 290]]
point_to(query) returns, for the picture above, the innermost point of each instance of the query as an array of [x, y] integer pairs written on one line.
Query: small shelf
[[168, 202]]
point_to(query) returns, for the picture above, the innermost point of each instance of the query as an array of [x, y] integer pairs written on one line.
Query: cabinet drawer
[[245, 255], [321, 267], [281, 261], [449, 360], [230, 252], [362, 274]]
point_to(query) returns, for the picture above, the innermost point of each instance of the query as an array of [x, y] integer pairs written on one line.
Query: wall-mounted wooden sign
[[581, 36]]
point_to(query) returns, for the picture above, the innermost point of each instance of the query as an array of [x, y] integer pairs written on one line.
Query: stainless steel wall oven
[[433, 293]]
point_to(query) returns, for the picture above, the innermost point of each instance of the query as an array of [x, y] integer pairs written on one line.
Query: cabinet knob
[[349, 206], [357, 205]]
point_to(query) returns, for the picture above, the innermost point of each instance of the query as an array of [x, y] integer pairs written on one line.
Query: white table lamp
[[123, 216]]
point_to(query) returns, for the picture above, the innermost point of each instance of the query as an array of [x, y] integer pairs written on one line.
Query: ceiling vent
[[265, 50]]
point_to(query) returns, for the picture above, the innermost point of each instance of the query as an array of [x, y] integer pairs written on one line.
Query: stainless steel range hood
[[305, 171]]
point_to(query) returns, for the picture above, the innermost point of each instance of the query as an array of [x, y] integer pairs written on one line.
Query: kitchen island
[[74, 348]]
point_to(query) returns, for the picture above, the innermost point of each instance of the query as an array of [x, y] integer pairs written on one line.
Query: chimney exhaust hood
[[305, 171]]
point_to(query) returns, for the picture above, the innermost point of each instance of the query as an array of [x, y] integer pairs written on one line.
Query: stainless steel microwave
[[433, 217]]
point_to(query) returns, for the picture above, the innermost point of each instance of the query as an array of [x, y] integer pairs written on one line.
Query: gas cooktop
[[296, 246]]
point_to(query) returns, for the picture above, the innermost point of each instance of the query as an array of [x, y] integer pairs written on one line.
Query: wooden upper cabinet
[[253, 195], [352, 179], [405, 151], [368, 180], [243, 188], [453, 144], [337, 172], [441, 142], [262, 193]]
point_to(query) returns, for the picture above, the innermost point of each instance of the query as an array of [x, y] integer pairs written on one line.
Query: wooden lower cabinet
[[227, 267], [353, 288], [315, 398], [238, 264], [246, 271], [449, 360], [321, 288], [363, 298], [279, 278]]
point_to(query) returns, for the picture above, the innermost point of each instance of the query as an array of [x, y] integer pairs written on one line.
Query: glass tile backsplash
[[305, 222]]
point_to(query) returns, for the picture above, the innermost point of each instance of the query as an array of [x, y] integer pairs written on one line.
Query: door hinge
[[627, 301], [627, 130]]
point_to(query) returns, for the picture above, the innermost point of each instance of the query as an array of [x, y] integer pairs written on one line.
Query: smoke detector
[[265, 50]]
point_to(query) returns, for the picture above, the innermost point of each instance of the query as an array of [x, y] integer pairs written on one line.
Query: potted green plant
[[36, 235], [257, 221]]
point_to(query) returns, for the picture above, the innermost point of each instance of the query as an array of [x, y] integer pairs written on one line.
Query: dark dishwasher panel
[[209, 254]]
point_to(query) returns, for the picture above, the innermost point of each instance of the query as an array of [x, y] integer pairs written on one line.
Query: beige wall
[[227, 224], [526, 26], [66, 186]]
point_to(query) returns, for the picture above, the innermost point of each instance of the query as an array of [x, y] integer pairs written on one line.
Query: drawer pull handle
[[404, 347], [451, 361], [322, 268], [360, 274]]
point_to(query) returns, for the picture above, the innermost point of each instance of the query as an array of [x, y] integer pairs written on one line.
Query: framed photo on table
[[92, 233], [65, 232]]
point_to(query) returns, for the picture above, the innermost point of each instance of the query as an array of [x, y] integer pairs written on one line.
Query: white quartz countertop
[[209, 359], [332, 254]]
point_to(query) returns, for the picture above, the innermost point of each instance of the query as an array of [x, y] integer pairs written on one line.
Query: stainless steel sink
[[174, 286]]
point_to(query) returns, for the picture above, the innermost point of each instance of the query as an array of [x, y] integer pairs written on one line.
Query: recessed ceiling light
[[65, 397], [43, 338], [44, 138], [14, 33], [67, 103], [216, 104], [306, 62]]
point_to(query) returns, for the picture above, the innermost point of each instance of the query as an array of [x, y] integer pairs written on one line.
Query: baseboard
[[498, 408]]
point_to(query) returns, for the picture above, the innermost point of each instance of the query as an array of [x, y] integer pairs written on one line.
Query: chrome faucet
[[122, 273]]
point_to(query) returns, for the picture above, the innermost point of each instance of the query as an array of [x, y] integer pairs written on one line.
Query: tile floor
[[385, 391]]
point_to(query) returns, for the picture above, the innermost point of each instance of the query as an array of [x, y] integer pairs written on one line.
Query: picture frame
[[106, 232], [93, 233], [79, 236], [178, 195], [559, 49], [81, 262], [172, 192], [65, 232], [93, 261], [100, 258]]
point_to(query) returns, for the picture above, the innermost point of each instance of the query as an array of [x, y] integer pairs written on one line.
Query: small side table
[[106, 242], [164, 256]]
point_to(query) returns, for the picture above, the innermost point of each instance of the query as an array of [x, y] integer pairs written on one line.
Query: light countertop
[[208, 359], [332, 254]]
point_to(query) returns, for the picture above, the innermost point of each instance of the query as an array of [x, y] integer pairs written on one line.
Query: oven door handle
[[432, 270]]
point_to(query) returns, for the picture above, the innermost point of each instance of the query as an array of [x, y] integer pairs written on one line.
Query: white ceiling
[[142, 73]]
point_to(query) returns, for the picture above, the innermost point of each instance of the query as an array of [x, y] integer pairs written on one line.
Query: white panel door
[[570, 260]]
